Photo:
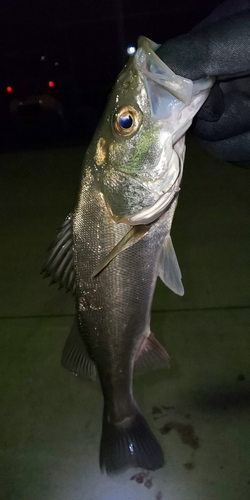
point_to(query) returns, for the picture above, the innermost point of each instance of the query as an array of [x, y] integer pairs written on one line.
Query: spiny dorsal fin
[[60, 264], [169, 270], [75, 357], [151, 355]]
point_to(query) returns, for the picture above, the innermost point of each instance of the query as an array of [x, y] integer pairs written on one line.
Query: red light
[[9, 89], [51, 84]]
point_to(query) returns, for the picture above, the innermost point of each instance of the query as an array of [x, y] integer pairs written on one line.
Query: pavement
[[198, 409]]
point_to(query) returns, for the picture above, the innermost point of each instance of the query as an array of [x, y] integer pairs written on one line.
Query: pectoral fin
[[169, 270], [132, 236], [75, 357]]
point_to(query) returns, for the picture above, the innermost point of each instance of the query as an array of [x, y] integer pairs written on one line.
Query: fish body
[[114, 310], [110, 251]]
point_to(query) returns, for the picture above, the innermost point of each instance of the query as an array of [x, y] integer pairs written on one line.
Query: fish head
[[139, 146]]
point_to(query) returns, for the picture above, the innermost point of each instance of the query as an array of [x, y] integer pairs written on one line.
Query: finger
[[214, 106], [233, 149], [222, 48], [234, 120]]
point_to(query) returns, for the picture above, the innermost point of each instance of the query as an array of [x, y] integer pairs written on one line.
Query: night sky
[[91, 36], [81, 46]]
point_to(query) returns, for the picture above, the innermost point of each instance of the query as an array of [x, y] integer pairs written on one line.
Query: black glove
[[219, 46]]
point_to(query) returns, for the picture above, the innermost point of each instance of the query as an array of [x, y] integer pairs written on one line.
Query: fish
[[110, 250]]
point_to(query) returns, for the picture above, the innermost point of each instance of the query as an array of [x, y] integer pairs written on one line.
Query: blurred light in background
[[51, 84], [42, 58], [9, 89], [131, 50]]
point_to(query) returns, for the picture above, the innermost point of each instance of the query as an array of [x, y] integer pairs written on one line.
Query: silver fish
[[110, 251]]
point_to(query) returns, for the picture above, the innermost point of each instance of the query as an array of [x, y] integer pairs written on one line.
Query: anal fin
[[75, 357], [151, 355]]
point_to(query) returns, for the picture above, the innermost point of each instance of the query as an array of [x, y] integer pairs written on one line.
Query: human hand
[[219, 46]]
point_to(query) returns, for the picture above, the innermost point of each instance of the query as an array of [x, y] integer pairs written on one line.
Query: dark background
[[83, 45]]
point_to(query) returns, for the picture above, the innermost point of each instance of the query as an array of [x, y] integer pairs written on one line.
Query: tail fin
[[129, 444]]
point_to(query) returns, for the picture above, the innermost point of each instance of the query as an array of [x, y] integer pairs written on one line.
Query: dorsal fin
[[60, 263]]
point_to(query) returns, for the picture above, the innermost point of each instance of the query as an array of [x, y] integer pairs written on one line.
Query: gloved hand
[[219, 46]]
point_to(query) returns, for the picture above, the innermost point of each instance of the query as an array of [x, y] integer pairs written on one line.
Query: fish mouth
[[166, 90], [155, 70]]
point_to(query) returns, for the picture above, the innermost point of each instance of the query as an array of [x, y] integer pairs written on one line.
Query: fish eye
[[126, 120]]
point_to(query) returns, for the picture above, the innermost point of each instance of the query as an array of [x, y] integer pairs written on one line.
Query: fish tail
[[128, 444]]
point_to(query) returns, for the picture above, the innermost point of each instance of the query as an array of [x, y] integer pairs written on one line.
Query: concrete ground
[[199, 409]]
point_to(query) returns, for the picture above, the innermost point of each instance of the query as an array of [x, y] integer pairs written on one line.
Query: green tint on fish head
[[135, 158], [124, 144]]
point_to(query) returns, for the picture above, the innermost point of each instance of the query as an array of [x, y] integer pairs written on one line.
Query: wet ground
[[198, 409]]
